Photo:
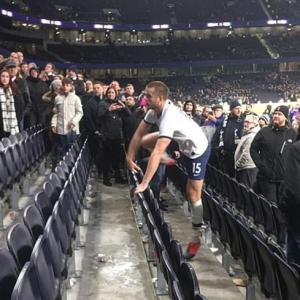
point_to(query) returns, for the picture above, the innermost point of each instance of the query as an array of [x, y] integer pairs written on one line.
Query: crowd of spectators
[[252, 148], [283, 9]]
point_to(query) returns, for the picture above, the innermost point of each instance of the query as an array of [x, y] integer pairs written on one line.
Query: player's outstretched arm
[[135, 144], [153, 163]]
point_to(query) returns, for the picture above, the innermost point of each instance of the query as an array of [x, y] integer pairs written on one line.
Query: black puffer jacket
[[268, 151]]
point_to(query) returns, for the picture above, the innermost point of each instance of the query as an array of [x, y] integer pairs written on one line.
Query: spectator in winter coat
[[68, 112], [268, 151], [246, 170], [230, 134], [111, 113]]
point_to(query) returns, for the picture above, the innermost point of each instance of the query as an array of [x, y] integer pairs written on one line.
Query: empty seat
[[267, 269], [48, 284], [176, 256], [20, 243], [166, 235], [288, 278], [44, 204], [188, 281], [26, 287], [170, 274], [8, 274], [34, 221], [177, 292], [54, 251]]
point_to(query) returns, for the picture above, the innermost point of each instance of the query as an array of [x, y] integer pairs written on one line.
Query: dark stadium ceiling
[[143, 11]]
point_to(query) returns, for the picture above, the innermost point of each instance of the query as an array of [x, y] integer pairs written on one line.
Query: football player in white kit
[[193, 146]]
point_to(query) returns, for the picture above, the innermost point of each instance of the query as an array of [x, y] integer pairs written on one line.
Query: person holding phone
[[111, 113]]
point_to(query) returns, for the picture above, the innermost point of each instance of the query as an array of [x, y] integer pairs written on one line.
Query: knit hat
[[252, 118], [234, 104], [265, 118], [283, 109], [55, 84]]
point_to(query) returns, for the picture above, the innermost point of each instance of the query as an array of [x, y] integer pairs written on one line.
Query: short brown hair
[[160, 88]]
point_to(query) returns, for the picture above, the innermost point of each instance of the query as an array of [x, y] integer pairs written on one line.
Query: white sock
[[197, 213]]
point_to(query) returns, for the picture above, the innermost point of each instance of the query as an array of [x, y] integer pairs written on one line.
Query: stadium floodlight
[[226, 24], [271, 22], [282, 22], [212, 24], [155, 26], [98, 26], [164, 26], [7, 13], [45, 21], [108, 26], [57, 23]]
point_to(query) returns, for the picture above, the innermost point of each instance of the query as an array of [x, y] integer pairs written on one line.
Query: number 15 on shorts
[[196, 168]]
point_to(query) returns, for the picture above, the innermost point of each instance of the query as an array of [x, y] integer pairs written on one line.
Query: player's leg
[[194, 191], [149, 141]]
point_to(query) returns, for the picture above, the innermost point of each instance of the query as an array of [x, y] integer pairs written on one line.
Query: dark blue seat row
[[232, 211], [260, 256], [40, 247], [179, 275], [260, 210], [18, 154]]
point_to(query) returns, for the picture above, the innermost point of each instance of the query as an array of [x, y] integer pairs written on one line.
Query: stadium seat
[[188, 281], [177, 292], [6, 142], [34, 221], [169, 272], [54, 251], [8, 274], [257, 208], [26, 287], [51, 191], [20, 243], [269, 222], [166, 235], [44, 204], [267, 268], [176, 256], [60, 230], [48, 284]]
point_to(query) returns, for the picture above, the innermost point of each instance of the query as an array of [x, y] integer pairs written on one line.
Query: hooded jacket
[[268, 151], [242, 157]]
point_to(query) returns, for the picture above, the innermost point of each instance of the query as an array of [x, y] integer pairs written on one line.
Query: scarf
[[8, 111]]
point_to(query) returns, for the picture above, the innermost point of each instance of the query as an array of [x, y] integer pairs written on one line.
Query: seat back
[[43, 203], [166, 235], [26, 287], [54, 249], [34, 221], [44, 272], [8, 274], [20, 243], [188, 281], [176, 256], [289, 279], [268, 274], [177, 292]]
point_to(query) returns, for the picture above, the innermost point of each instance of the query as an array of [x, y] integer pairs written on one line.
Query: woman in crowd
[[111, 113], [10, 113]]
